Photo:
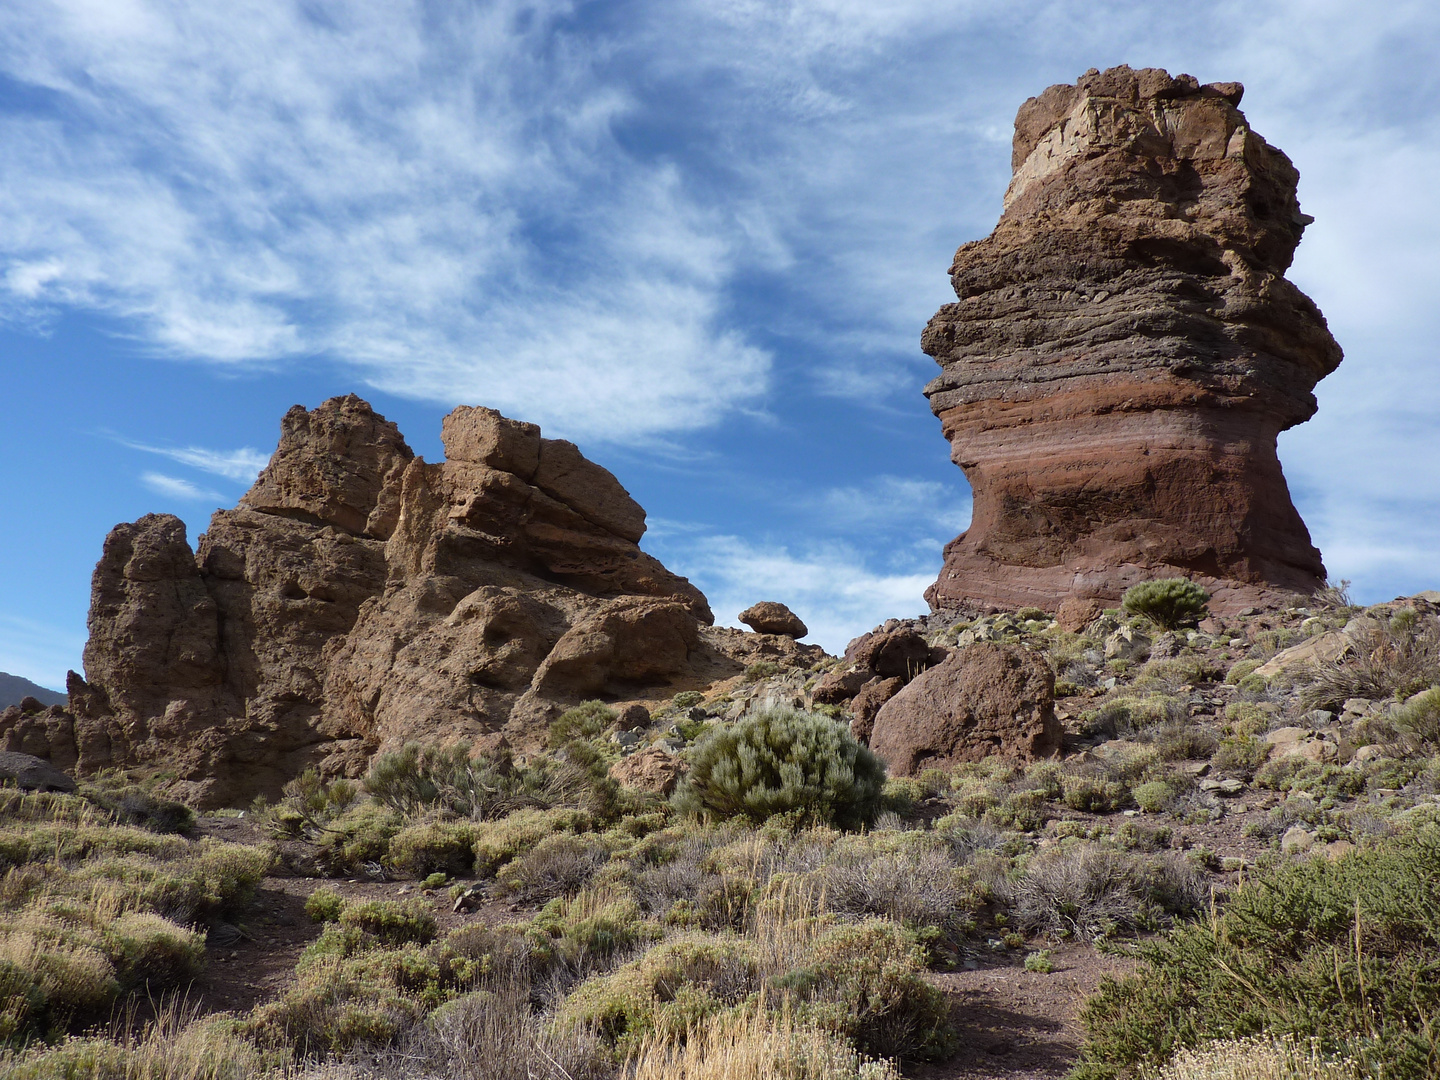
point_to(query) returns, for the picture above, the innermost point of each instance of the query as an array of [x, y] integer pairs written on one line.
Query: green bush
[[588, 720], [391, 921], [1343, 951], [1154, 796], [1419, 717], [761, 670], [780, 760], [417, 778], [431, 846], [324, 905], [1169, 603]]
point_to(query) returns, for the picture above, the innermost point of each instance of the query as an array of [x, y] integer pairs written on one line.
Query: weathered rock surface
[[653, 769], [984, 699], [360, 596], [769, 617], [30, 773], [1124, 351]]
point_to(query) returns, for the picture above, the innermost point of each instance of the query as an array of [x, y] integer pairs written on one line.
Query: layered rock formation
[[1124, 351], [360, 596]]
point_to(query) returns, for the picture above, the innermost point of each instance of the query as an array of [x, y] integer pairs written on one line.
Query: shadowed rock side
[[360, 596], [1124, 351]]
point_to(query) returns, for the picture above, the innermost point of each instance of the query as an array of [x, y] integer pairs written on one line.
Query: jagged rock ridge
[[359, 596], [1123, 352]]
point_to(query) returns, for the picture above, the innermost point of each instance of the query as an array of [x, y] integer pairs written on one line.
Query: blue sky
[[698, 238]]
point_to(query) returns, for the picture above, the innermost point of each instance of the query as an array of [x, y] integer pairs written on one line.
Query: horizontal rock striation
[[1124, 350], [359, 596]]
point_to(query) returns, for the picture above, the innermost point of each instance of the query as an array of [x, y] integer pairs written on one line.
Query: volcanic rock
[[654, 769], [30, 773], [1124, 351], [769, 617], [868, 702], [984, 699], [359, 596]]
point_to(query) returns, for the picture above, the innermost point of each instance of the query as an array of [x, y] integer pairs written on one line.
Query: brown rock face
[[359, 596], [1124, 351], [985, 699]]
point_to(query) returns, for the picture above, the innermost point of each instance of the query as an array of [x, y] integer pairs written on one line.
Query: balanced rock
[[359, 597], [984, 699], [769, 617], [1124, 351]]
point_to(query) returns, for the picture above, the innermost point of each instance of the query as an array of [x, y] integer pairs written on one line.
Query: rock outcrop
[[984, 699], [359, 596], [1124, 351]]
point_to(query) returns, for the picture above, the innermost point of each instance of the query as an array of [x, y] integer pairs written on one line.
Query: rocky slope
[[1123, 352], [359, 597]]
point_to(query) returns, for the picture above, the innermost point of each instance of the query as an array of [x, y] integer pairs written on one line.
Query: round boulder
[[982, 700], [769, 617]]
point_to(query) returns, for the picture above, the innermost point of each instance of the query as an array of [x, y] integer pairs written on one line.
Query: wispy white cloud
[[241, 465], [174, 487], [437, 200]]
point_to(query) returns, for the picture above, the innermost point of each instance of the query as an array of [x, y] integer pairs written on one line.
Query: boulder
[[30, 773], [655, 770], [1124, 350], [769, 617], [1077, 612], [982, 700], [1321, 649]]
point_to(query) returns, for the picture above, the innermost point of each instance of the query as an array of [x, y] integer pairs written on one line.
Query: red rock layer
[[1124, 351]]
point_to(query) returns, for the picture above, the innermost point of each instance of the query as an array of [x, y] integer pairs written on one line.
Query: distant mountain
[[13, 688]]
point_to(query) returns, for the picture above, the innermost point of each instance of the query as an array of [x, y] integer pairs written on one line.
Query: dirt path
[[1016, 1024]]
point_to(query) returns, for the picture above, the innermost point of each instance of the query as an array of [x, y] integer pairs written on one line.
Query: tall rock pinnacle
[[1124, 351]]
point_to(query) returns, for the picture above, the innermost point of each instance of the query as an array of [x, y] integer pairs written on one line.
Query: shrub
[[418, 778], [393, 922], [754, 1045], [1093, 793], [434, 846], [560, 865], [1040, 962], [1182, 741], [153, 952], [324, 905], [1259, 1058], [780, 760], [1154, 796], [176, 1046], [1343, 951], [1169, 602], [1089, 891], [1419, 717], [1241, 755], [578, 934], [308, 804], [588, 720], [1398, 657], [762, 669], [497, 842]]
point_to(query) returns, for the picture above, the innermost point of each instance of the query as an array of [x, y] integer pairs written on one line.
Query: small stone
[[1227, 786], [1296, 840]]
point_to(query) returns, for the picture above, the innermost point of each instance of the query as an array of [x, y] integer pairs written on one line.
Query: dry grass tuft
[[754, 1045]]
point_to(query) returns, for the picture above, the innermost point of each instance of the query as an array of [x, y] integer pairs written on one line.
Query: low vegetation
[[1263, 846]]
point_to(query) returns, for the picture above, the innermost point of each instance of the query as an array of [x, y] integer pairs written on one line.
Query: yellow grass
[[753, 1045]]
